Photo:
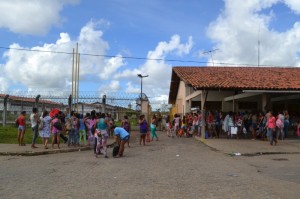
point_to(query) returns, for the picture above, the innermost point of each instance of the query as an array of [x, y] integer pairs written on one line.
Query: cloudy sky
[[119, 39]]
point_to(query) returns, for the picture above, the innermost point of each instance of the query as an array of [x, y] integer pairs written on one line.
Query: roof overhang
[[271, 91]]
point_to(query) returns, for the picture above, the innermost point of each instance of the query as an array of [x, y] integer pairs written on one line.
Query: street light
[[141, 97]]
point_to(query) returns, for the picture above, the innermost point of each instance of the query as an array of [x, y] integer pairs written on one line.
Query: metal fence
[[117, 104]]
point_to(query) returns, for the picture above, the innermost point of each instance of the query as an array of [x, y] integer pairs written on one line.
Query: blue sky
[[156, 29]]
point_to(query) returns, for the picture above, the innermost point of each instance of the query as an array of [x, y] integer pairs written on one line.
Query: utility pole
[[141, 96]]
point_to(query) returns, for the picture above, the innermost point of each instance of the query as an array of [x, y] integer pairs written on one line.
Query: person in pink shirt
[[271, 126], [56, 128]]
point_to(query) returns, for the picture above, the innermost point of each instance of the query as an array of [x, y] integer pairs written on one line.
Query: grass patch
[[8, 135]]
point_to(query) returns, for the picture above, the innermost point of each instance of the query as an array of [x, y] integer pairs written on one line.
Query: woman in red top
[[210, 124], [271, 128], [21, 128]]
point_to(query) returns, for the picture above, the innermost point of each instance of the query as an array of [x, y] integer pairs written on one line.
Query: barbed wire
[[112, 97]]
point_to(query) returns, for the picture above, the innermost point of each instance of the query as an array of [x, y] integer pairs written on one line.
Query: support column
[[265, 102], [203, 127]]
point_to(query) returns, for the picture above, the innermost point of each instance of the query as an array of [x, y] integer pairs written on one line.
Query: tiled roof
[[235, 78]]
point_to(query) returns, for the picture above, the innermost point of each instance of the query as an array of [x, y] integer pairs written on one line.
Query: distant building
[[16, 104]]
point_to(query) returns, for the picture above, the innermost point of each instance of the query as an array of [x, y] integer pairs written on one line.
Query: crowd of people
[[258, 125], [91, 129], [94, 129]]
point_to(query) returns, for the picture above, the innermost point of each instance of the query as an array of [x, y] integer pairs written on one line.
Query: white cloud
[[174, 45], [111, 66], [31, 16], [239, 27], [3, 84], [158, 81], [293, 5], [114, 85], [131, 89], [53, 70]]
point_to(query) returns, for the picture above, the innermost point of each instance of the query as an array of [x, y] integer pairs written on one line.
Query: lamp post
[[141, 98]]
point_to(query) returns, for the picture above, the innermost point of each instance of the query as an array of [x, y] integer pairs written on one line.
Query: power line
[[108, 56], [141, 58]]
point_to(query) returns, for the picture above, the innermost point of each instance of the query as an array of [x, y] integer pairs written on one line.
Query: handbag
[[148, 137], [57, 125], [41, 125]]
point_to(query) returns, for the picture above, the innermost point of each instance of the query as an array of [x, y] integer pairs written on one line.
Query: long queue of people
[[92, 129], [232, 125]]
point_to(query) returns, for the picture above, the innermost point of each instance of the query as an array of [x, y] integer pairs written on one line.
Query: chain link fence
[[117, 104]]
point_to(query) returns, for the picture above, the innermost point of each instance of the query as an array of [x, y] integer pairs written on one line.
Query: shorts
[[143, 135], [126, 138], [22, 128], [56, 132]]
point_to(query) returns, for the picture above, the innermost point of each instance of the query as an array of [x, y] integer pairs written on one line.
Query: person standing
[[122, 137], [286, 123], [82, 132], [56, 130], [253, 125], [75, 121], [92, 128], [34, 119], [280, 126], [153, 127], [210, 124], [168, 128], [70, 131], [126, 125], [218, 123], [102, 135], [271, 128], [21, 128], [177, 123], [143, 129], [45, 131]]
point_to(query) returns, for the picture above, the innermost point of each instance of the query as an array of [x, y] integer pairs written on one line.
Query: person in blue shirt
[[122, 137]]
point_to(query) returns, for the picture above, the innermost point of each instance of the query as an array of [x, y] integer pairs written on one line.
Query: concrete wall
[[180, 99]]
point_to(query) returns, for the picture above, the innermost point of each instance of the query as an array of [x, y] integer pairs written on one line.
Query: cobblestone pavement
[[169, 168]]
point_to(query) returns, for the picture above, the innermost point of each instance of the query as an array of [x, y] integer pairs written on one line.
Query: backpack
[[17, 122], [41, 125], [126, 126], [279, 123], [57, 125], [116, 150]]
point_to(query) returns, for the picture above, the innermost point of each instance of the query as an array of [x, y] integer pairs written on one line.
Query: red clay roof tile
[[236, 78]]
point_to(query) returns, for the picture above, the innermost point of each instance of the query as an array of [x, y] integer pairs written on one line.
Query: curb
[[243, 154], [203, 140], [55, 151], [261, 153]]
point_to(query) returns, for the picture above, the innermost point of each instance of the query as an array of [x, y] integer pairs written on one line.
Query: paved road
[[169, 168]]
